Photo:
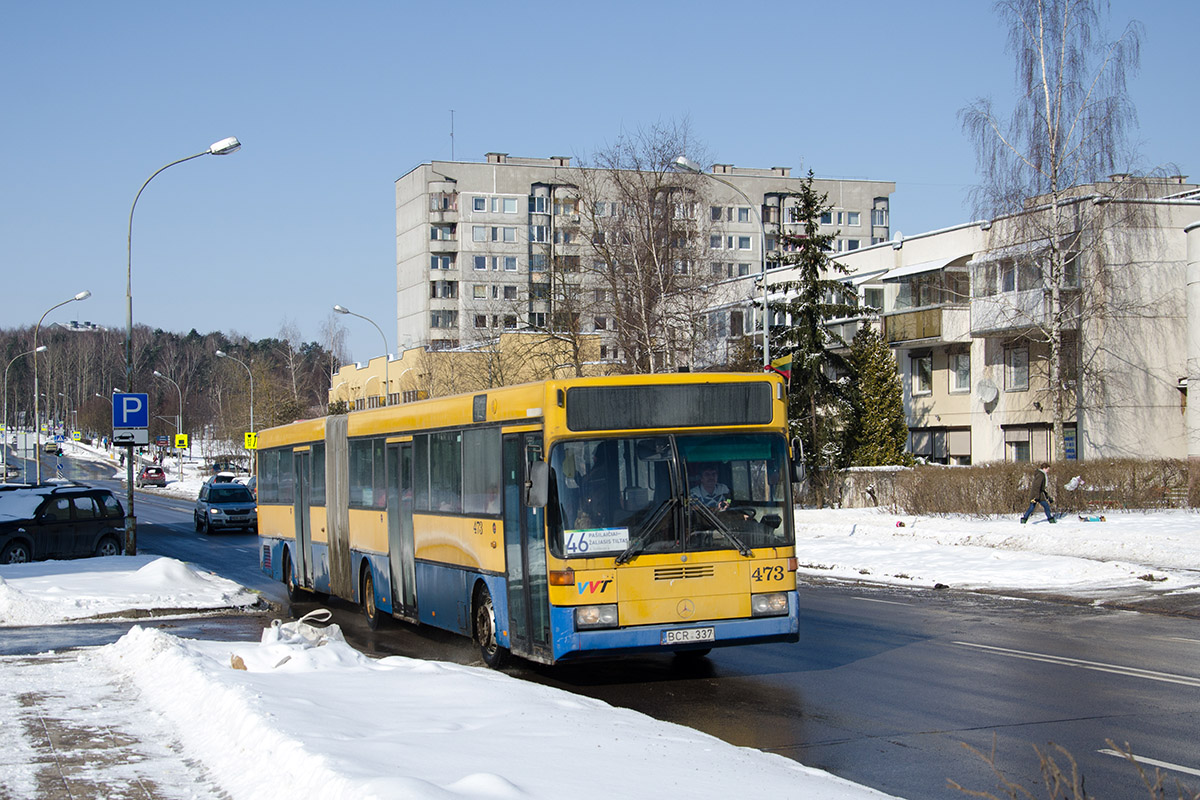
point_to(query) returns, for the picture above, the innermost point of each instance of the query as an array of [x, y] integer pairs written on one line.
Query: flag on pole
[[783, 366]]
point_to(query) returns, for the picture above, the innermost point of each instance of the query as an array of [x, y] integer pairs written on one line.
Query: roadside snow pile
[[332, 723], [1128, 551], [49, 592]]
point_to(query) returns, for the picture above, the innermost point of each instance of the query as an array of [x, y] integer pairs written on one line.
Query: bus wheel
[[493, 654], [370, 610], [289, 578]]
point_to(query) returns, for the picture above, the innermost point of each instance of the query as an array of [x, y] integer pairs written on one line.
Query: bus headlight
[[589, 617], [772, 604]]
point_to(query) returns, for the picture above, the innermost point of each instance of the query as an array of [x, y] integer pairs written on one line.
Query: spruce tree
[[818, 388], [876, 433]]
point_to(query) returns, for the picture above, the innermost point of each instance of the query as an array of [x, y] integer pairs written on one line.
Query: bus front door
[[525, 551], [400, 528], [302, 466]]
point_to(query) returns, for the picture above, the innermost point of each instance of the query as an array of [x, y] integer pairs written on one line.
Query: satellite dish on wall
[[987, 391]]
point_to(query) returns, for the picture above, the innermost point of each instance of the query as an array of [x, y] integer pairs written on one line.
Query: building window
[[853, 218], [714, 241], [873, 298], [736, 323], [537, 233], [481, 262], [879, 217], [960, 372], [1016, 368], [743, 243], [743, 270], [441, 233], [504, 205], [537, 319], [510, 263], [852, 244], [443, 319], [537, 205], [827, 218], [479, 291], [922, 373], [510, 321], [539, 291], [479, 203], [715, 213], [441, 262], [481, 320], [743, 214], [600, 323], [537, 262], [479, 233], [510, 293], [506, 234], [443, 289], [562, 236]]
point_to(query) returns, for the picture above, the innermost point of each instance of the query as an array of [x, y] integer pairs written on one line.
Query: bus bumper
[[570, 643]]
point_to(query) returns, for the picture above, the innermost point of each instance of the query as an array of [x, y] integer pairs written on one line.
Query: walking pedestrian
[[1038, 494]]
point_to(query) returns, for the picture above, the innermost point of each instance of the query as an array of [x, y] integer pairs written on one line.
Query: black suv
[[41, 522]]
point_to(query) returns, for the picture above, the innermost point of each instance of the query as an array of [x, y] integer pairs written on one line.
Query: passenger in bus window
[[710, 491]]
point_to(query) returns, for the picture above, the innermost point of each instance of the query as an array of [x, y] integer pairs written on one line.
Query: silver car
[[225, 505]]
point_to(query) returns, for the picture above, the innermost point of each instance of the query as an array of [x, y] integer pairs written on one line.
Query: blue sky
[[333, 102]]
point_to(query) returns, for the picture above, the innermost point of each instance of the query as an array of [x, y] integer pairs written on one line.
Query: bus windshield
[[668, 494]]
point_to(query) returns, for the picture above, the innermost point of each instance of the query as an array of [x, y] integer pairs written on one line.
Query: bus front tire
[[492, 653], [370, 610]]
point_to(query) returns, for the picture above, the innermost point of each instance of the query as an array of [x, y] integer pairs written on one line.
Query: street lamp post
[[179, 416], [387, 384], [41, 349], [223, 354], [37, 456], [221, 148], [684, 164]]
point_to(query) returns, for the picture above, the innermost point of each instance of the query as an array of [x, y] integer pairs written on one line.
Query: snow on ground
[[1129, 551], [283, 718]]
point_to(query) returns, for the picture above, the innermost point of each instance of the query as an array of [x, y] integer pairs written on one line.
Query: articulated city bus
[[552, 520]]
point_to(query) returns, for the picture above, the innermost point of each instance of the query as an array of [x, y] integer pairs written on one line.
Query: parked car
[[225, 505], [151, 476], [40, 522]]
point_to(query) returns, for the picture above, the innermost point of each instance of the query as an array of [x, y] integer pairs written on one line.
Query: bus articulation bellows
[[552, 520]]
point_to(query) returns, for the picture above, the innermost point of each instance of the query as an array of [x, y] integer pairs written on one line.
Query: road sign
[[131, 410], [162, 440], [251, 441], [181, 442], [131, 419]]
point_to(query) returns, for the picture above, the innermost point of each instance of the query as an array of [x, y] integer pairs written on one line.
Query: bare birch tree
[[1069, 128], [644, 224]]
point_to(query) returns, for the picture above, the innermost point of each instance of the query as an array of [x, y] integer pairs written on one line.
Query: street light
[[37, 456], [684, 164], [221, 148], [179, 416], [223, 354], [387, 388], [41, 349]]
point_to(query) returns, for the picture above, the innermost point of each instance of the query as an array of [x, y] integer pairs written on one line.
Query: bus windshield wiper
[[644, 531], [721, 528]]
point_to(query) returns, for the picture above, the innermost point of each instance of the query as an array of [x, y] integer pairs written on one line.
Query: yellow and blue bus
[[552, 520]]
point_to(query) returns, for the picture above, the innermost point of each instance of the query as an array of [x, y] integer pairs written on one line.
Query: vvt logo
[[591, 587]]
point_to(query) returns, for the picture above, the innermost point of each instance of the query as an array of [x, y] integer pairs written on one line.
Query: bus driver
[[709, 491]]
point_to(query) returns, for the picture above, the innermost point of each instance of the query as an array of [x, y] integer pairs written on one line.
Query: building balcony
[[930, 324], [447, 215], [443, 245], [847, 328], [1018, 312]]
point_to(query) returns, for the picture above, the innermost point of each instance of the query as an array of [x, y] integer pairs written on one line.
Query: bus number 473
[[768, 573]]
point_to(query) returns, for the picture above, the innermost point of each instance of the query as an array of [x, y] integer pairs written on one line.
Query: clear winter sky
[[334, 101]]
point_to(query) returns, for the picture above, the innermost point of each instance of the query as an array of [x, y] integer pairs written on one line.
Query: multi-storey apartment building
[[477, 244], [966, 311]]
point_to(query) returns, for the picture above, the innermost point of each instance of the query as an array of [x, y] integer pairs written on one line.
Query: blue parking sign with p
[[131, 410]]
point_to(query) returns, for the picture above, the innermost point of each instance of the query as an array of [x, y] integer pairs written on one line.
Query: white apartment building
[[476, 241], [964, 311]]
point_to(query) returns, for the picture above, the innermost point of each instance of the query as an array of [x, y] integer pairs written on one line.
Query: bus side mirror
[[537, 488], [798, 468]]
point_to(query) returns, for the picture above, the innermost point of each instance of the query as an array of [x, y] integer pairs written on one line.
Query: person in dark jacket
[[1038, 494]]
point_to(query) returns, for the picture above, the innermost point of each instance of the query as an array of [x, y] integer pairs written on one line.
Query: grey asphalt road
[[885, 687]]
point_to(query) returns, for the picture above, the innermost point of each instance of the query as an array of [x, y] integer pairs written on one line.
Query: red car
[[151, 476]]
